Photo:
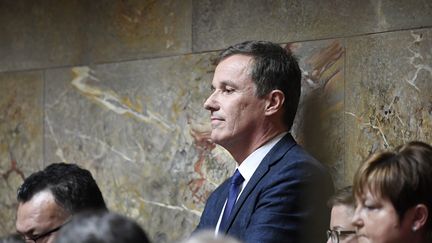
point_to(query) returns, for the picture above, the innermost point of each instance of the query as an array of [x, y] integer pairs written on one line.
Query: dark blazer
[[284, 201]]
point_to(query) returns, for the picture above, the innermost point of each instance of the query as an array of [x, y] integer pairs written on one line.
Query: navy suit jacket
[[284, 201]]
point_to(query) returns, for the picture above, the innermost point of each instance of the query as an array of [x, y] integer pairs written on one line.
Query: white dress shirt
[[249, 165]]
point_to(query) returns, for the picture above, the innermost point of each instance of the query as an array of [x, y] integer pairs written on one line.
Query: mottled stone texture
[[52, 33], [138, 124], [217, 24], [388, 92], [122, 30], [319, 122], [21, 137], [40, 34], [141, 129]]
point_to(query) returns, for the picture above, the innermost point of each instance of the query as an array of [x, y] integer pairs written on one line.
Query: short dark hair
[[343, 196], [73, 188], [101, 227], [273, 68]]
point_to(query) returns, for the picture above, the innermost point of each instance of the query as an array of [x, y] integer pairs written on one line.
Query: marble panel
[[132, 29], [319, 124], [37, 34], [388, 92], [141, 128], [40, 34], [21, 137], [217, 24]]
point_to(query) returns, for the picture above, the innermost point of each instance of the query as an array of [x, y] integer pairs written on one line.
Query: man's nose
[[211, 103]]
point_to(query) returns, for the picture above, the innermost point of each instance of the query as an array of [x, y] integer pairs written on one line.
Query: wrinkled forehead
[[341, 217], [236, 63]]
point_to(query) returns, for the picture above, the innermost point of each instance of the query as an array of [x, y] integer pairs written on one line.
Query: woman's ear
[[274, 101], [421, 214]]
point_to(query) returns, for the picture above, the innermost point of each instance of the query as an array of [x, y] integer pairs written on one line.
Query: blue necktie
[[236, 181]]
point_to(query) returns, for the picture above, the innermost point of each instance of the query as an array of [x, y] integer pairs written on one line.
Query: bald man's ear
[[274, 102]]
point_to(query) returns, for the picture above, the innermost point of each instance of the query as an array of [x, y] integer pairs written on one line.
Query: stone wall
[[118, 86]]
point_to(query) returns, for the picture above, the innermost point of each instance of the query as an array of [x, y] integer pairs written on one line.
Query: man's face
[[341, 220], [236, 113], [40, 215]]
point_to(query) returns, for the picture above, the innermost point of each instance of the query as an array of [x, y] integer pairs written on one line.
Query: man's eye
[[228, 91]]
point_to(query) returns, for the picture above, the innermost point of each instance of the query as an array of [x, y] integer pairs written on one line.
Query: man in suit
[[279, 190]]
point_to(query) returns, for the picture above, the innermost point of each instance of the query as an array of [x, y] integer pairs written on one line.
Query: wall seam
[[43, 117]]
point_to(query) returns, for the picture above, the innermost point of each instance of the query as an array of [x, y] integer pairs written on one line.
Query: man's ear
[[274, 102], [420, 216]]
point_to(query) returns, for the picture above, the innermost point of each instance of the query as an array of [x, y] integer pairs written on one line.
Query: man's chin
[[217, 138]]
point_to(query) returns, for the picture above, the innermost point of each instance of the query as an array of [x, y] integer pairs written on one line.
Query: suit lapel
[[274, 155], [219, 203]]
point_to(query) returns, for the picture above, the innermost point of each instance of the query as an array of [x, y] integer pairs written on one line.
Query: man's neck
[[240, 151]]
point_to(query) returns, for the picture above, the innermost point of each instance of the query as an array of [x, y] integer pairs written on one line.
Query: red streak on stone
[[13, 167], [204, 147]]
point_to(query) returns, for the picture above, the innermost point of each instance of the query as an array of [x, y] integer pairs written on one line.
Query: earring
[[414, 228]]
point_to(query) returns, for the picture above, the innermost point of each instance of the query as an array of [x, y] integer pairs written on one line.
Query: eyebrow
[[226, 83]]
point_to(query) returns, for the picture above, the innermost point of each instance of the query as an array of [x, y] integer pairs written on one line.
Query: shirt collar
[[251, 163]]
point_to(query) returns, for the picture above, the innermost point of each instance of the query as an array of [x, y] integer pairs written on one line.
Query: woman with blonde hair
[[394, 196]]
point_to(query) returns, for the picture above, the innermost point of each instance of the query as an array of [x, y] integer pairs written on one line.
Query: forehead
[[342, 210], [341, 216], [233, 67], [40, 212]]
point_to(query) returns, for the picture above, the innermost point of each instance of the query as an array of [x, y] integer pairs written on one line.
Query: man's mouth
[[216, 118]]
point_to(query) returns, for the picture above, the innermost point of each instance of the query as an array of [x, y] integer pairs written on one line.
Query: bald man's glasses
[[36, 238]]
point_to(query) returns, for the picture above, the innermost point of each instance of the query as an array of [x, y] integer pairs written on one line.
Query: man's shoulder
[[292, 151], [298, 154], [288, 148], [296, 161]]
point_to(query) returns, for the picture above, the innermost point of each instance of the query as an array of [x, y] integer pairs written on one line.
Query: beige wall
[[118, 86]]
